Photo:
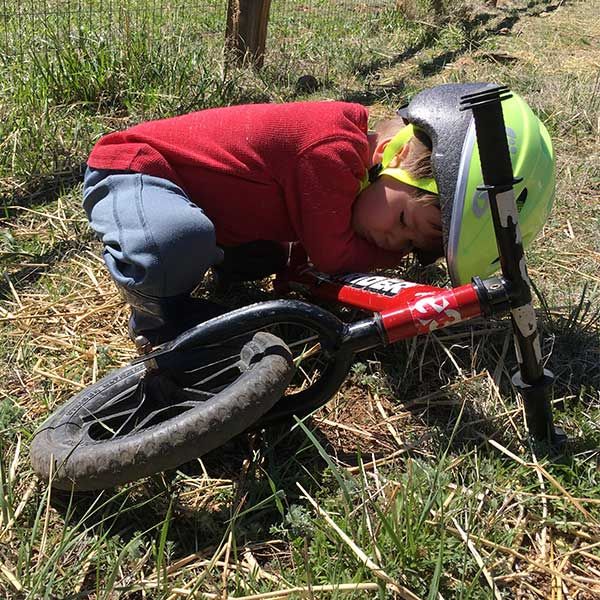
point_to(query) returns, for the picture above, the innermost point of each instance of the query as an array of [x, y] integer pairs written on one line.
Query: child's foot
[[154, 320]]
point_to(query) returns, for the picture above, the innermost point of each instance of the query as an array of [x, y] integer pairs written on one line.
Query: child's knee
[[155, 239], [186, 247]]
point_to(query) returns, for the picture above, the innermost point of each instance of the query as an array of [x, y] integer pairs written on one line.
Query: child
[[231, 187]]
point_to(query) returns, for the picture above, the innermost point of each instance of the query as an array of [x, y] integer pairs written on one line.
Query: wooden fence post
[[247, 30]]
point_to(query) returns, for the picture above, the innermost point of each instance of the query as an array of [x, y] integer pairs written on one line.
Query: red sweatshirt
[[281, 172]]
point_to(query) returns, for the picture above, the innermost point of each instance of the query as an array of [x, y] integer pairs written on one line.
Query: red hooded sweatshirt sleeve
[[282, 172]]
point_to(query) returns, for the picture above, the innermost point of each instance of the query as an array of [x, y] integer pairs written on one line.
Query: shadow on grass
[[40, 264], [258, 477], [475, 27], [42, 189], [574, 354]]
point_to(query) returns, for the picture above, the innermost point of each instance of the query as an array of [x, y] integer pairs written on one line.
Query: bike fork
[[532, 380]]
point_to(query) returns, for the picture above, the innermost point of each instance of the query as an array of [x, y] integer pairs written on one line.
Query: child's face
[[388, 215]]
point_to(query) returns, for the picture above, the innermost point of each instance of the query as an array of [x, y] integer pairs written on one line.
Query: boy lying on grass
[[231, 189]]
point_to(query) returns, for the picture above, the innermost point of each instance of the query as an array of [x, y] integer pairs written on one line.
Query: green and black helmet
[[469, 240]]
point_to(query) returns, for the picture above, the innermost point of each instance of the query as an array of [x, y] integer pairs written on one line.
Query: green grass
[[301, 507]]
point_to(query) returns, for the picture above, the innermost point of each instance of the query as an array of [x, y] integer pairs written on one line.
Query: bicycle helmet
[[468, 233]]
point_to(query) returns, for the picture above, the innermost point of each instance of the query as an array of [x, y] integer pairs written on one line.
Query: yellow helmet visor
[[425, 183]]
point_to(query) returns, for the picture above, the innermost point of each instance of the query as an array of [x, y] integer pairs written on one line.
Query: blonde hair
[[418, 160]]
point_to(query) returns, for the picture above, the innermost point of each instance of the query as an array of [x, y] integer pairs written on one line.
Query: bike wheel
[[314, 336], [138, 421], [319, 373]]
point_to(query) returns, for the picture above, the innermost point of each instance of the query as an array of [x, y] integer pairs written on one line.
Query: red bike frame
[[406, 309]]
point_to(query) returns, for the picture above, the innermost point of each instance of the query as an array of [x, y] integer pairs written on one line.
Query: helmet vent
[[521, 200]]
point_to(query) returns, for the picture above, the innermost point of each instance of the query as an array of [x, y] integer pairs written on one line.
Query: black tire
[[127, 426], [325, 381], [318, 376]]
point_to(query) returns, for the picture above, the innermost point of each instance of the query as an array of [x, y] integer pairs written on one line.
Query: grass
[[417, 479], [71, 76]]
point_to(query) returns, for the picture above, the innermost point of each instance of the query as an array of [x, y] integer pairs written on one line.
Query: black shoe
[[154, 321]]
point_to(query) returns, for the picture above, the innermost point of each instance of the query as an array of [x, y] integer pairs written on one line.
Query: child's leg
[[158, 246], [156, 241]]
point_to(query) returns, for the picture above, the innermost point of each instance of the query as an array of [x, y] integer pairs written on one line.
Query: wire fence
[[311, 32], [34, 27]]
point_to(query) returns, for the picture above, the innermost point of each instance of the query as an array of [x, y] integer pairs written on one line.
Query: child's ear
[[381, 146], [399, 158]]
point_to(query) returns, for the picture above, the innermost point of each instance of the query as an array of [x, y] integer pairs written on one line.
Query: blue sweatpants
[[156, 241]]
